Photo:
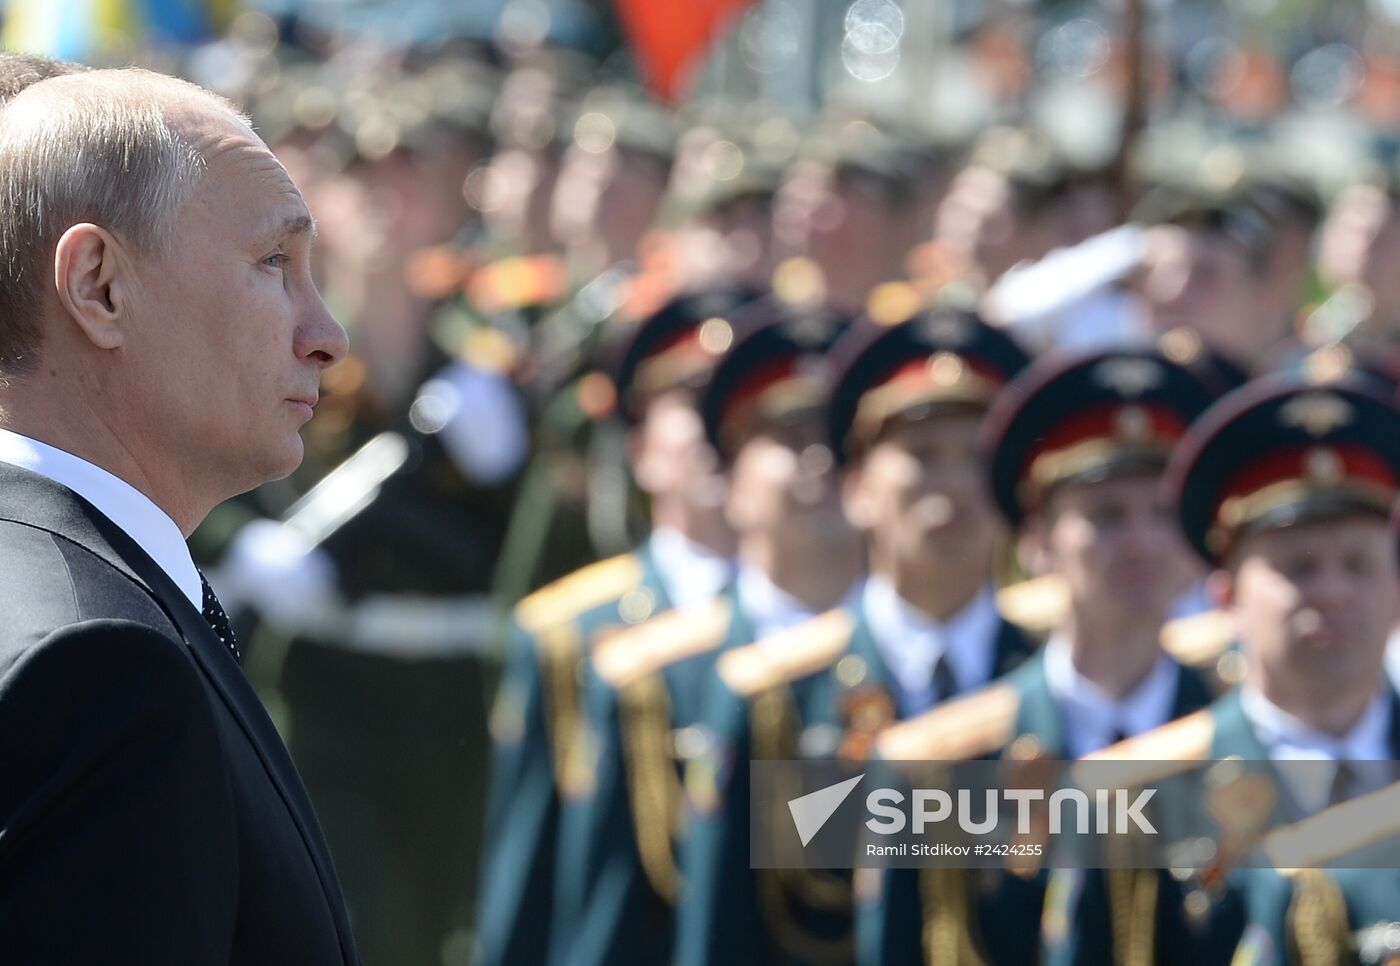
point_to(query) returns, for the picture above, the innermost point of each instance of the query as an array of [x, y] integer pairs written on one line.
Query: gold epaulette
[[1198, 641], [1335, 832], [958, 730], [1039, 604], [1173, 748], [662, 641], [1202, 643], [787, 655], [570, 596]]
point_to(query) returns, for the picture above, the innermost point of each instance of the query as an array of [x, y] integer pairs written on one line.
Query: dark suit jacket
[[149, 812]]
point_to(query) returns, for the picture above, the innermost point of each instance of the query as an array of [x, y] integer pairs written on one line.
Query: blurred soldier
[[1357, 247], [1075, 449], [1207, 269], [607, 196], [517, 188], [907, 404], [1285, 487], [1286, 284], [611, 181], [537, 717], [1002, 208], [796, 558], [1232, 269], [848, 205], [721, 196]]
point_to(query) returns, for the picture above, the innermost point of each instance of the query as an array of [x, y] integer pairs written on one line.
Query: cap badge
[[949, 330], [1129, 377], [1323, 466], [1132, 424], [945, 369], [1316, 413]]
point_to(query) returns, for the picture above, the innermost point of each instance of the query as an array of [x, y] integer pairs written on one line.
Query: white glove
[[479, 418], [271, 568]]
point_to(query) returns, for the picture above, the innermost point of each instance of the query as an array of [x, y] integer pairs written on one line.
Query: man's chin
[[283, 464], [1141, 593], [1329, 646]]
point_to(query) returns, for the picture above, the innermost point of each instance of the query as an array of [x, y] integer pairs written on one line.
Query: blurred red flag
[[671, 36]]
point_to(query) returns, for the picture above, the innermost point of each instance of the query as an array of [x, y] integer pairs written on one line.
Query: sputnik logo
[[811, 811]]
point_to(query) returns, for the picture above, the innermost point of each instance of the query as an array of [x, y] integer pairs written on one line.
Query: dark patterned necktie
[[945, 684], [1346, 783], [213, 612]]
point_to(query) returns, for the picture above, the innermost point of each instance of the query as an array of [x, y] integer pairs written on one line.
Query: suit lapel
[[1012, 649], [651, 579], [1192, 694], [33, 500]]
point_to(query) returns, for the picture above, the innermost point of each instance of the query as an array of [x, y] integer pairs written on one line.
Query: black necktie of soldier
[[1346, 783], [945, 684], [213, 612]]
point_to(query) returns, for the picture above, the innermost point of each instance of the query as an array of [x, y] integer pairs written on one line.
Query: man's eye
[[278, 260], [1300, 569]]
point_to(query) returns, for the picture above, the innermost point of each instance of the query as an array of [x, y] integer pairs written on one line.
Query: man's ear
[[637, 458], [91, 283], [1033, 546], [856, 501], [1220, 588]]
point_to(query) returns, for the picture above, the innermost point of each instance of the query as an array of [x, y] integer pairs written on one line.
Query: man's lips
[[309, 402]]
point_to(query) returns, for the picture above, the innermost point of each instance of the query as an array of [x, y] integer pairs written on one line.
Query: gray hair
[[19, 71], [98, 147]]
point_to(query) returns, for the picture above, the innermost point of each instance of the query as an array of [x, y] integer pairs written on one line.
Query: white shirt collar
[[1290, 739], [911, 642], [691, 573], [1392, 659], [119, 501], [768, 607], [1092, 717]]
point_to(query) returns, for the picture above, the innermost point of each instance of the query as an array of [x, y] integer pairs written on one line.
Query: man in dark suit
[[160, 349]]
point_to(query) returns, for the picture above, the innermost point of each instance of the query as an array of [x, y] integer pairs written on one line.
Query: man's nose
[[1145, 535], [320, 338], [1329, 586]]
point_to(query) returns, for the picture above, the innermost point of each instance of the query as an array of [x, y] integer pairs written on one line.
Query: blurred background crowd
[[504, 186]]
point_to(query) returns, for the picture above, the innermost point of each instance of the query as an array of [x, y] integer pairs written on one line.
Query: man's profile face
[[1117, 547], [919, 492], [230, 335], [1315, 602]]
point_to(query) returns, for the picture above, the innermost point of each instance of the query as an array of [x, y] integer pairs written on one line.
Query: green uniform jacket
[[606, 908], [731, 914], [537, 710], [1248, 918], [1008, 908]]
